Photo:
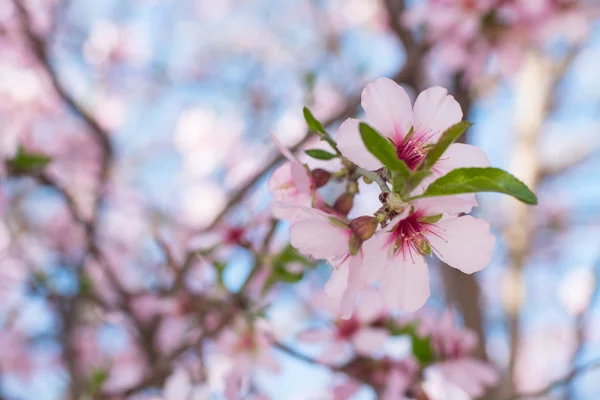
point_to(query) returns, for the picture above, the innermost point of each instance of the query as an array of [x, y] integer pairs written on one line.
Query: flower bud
[[344, 203], [363, 227], [321, 177]]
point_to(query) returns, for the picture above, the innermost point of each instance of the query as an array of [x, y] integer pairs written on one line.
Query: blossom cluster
[[388, 248], [464, 33]]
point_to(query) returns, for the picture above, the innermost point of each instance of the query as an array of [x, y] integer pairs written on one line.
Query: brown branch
[[40, 50]]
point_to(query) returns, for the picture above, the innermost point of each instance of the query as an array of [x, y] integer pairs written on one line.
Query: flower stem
[[373, 176]]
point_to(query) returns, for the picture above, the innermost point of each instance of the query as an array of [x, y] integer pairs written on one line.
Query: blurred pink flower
[[458, 367], [291, 183], [356, 333], [248, 347]]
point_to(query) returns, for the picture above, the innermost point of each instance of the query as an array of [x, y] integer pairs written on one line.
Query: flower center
[[409, 235], [411, 150], [347, 328]]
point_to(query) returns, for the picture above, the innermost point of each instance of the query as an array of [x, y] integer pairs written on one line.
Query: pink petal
[[375, 256], [434, 112], [460, 155], [352, 147], [301, 178], [396, 385], [465, 243], [284, 150], [388, 108], [281, 184], [338, 282], [315, 335], [405, 283], [267, 360], [178, 385], [471, 375], [355, 283], [451, 205], [334, 352], [369, 340], [370, 306], [319, 238]]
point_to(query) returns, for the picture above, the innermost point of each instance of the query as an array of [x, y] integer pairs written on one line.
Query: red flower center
[[409, 235], [411, 150], [347, 328]]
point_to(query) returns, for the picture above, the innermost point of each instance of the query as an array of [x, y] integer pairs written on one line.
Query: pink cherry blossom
[[356, 333], [290, 183], [179, 386], [458, 367], [395, 255], [388, 109], [323, 236], [248, 347]]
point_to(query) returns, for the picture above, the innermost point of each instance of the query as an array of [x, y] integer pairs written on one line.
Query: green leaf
[[431, 219], [320, 154], [384, 151], [290, 254], [24, 163], [286, 276], [421, 346], [86, 286], [316, 126], [473, 180], [415, 178], [313, 124], [97, 379], [280, 271], [443, 143]]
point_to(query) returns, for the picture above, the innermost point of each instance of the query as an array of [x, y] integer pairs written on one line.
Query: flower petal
[[375, 256], [334, 352], [369, 340], [388, 108], [460, 155], [338, 282], [405, 283], [284, 150], [319, 238], [352, 147], [434, 112], [301, 178], [178, 385], [370, 306], [315, 335], [355, 282], [465, 243]]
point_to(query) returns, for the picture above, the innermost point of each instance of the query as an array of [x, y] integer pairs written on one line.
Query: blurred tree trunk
[[533, 90]]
